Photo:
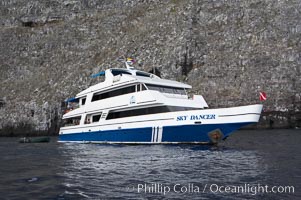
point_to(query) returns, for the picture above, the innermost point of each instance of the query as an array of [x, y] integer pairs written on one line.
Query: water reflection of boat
[[34, 140]]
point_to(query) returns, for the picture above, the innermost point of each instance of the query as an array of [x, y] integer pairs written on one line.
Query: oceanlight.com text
[[252, 189]]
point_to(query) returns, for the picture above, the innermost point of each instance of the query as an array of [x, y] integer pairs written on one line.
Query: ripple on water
[[98, 170], [87, 171]]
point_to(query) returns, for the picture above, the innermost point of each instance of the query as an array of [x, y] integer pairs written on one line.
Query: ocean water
[[264, 164]]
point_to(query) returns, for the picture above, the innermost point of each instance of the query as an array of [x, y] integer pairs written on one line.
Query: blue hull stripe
[[185, 133]]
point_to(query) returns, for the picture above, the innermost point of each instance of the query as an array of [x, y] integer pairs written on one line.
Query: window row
[[137, 88], [166, 89], [146, 111], [93, 118], [73, 121], [118, 92], [117, 72]]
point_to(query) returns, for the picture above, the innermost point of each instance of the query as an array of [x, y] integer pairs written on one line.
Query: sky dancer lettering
[[195, 117]]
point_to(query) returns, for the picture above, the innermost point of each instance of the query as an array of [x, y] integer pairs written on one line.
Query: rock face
[[227, 50]]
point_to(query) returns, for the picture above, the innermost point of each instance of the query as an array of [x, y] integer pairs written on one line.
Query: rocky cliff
[[228, 50]]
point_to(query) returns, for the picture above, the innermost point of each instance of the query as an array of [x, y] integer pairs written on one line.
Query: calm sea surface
[[242, 167]]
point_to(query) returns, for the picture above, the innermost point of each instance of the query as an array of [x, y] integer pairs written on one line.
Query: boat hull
[[157, 135], [207, 126]]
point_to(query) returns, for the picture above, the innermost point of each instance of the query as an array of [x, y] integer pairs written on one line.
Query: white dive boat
[[136, 107]]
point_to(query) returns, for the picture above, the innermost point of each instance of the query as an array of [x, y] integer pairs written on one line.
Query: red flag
[[263, 96]]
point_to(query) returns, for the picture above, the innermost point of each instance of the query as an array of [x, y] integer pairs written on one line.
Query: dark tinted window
[[143, 74], [153, 87], [166, 89], [114, 93], [83, 101], [146, 111], [141, 87], [95, 118], [72, 121], [116, 72]]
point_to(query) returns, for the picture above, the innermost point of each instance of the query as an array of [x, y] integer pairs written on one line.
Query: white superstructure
[[132, 106]]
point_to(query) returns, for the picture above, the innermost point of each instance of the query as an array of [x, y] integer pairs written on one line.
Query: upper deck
[[116, 78], [129, 89]]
